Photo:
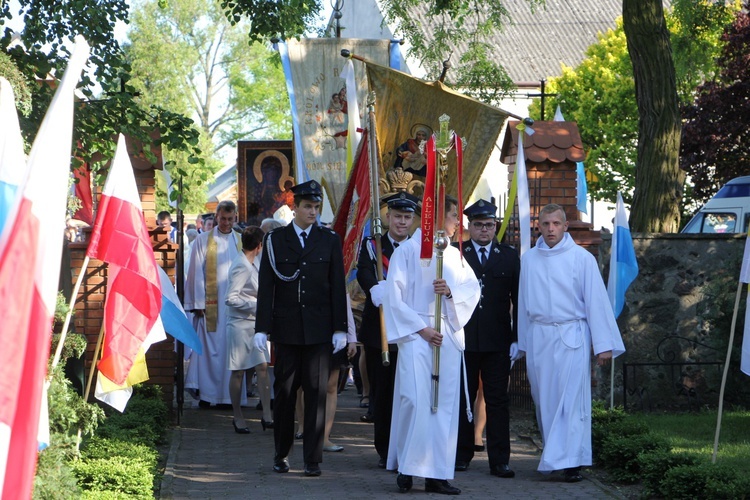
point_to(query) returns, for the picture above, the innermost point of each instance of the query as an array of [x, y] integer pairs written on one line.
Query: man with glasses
[[491, 338]]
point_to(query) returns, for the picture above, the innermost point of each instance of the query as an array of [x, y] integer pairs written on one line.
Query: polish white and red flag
[[30, 254], [120, 238]]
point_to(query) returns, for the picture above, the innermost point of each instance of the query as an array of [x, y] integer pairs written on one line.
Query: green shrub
[[54, 477], [619, 454], [655, 464], [98, 447], [144, 421], [104, 495], [613, 423], [116, 474], [704, 480]]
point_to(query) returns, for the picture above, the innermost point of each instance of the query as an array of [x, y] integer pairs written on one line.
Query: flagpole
[[726, 371], [69, 314], [180, 282], [93, 362], [377, 224]]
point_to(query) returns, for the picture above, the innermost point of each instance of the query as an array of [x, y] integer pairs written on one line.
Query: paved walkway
[[209, 460]]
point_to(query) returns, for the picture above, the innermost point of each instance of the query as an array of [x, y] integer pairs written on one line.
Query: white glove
[[260, 340], [515, 354], [377, 292], [339, 341]]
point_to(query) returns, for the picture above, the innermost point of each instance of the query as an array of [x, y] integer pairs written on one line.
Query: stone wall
[[678, 311]]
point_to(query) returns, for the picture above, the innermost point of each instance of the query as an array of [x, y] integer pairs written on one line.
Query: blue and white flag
[[623, 266], [12, 158], [173, 315], [582, 188]]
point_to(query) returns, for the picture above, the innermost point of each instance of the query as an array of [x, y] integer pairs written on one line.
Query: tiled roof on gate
[[554, 142]]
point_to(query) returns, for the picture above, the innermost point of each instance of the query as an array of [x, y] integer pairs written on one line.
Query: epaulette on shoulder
[[326, 230]]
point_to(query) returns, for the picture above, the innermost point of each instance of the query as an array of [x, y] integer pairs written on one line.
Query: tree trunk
[[658, 178]]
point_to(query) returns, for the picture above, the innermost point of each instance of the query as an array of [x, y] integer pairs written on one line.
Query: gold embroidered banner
[[405, 104]]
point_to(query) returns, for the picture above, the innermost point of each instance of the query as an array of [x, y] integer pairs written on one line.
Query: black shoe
[[404, 482], [440, 486], [312, 469], [240, 430], [223, 406], [280, 465], [298, 436], [502, 471], [573, 475], [204, 404], [266, 425], [478, 447], [382, 463], [367, 418], [462, 465]]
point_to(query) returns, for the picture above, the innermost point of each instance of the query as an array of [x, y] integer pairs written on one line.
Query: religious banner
[[323, 106], [408, 110]]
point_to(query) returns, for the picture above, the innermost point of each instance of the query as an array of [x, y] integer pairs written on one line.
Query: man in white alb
[[423, 443], [563, 312]]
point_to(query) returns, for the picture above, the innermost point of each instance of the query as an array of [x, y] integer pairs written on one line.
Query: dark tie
[[483, 258], [395, 245], [303, 234]]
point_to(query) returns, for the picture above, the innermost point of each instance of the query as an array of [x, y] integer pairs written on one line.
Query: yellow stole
[[212, 287]]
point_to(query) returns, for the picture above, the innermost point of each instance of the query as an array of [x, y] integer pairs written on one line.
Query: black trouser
[[494, 368], [306, 366], [382, 379]]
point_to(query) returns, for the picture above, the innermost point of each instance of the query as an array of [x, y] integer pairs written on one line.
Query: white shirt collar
[[299, 230], [477, 246]]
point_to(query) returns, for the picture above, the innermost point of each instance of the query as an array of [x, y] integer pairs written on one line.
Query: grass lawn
[[693, 433]]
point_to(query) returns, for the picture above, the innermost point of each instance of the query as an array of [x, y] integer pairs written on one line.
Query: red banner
[[428, 202], [459, 179], [355, 207]]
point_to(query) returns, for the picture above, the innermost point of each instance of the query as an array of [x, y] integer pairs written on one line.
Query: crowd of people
[[280, 288]]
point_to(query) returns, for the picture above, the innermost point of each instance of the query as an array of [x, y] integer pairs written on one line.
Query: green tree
[[109, 106], [715, 141], [232, 89], [600, 94]]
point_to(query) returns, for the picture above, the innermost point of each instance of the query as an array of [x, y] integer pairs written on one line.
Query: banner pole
[[69, 314]]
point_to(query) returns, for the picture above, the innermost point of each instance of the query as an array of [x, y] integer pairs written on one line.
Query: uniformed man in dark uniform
[[399, 218], [302, 309], [491, 337]]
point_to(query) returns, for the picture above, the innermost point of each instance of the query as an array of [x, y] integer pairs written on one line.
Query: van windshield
[[719, 223]]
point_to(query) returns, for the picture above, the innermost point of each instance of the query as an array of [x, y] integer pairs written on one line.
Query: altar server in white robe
[[563, 311], [423, 443], [211, 257]]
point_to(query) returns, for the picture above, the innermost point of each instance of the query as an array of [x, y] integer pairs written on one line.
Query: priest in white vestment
[[563, 312], [211, 257], [423, 443]]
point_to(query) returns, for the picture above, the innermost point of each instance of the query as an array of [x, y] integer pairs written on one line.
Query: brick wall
[[555, 183]]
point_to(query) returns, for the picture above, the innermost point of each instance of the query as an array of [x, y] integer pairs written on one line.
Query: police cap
[[482, 209], [309, 190], [402, 201]]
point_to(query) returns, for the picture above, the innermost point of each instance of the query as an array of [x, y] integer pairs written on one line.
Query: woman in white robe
[[423, 443]]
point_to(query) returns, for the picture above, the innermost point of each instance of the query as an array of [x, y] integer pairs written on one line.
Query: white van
[[727, 212]]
